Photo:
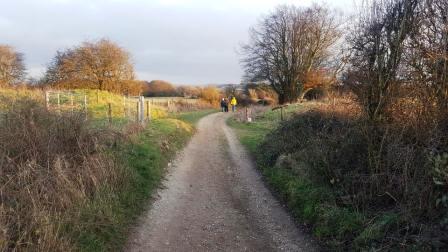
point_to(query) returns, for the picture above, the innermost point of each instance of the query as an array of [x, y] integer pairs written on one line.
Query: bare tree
[[230, 90], [102, 65], [428, 54], [12, 68], [287, 45], [378, 44]]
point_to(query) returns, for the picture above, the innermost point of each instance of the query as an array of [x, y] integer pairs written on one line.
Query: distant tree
[[160, 88], [230, 90], [288, 44], [189, 91], [132, 87], [12, 68], [101, 65], [210, 94]]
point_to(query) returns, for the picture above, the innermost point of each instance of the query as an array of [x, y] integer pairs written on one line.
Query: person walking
[[223, 105], [226, 105], [233, 102]]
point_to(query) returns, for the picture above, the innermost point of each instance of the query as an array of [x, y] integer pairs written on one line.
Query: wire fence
[[131, 108]]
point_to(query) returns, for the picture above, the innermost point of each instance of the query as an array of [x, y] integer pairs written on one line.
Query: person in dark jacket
[[223, 105], [226, 105]]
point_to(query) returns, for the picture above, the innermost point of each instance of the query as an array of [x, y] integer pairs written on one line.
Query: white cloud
[[183, 41]]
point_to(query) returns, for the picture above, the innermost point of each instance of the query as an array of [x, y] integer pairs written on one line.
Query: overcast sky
[[182, 41]]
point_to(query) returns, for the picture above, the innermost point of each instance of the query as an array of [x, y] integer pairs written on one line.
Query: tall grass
[[49, 164], [66, 185]]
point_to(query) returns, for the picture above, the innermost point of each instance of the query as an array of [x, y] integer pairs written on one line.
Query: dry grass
[[49, 164], [252, 112]]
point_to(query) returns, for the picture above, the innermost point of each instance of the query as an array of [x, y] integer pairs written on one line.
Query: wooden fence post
[[47, 100], [85, 107], [124, 106], [281, 110], [141, 100], [136, 116], [72, 102], [109, 113], [148, 110], [59, 102]]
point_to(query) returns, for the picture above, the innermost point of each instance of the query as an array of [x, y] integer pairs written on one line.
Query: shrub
[[49, 165], [159, 88], [332, 148], [211, 95]]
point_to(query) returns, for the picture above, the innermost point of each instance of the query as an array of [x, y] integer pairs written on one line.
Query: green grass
[[145, 158], [106, 218], [194, 116], [252, 134], [97, 104]]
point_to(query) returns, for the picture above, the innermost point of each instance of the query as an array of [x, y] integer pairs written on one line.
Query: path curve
[[214, 200]]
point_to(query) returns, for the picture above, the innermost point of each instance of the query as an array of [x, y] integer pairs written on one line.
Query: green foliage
[[376, 230], [440, 178]]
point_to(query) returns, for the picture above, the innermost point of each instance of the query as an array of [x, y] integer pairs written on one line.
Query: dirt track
[[214, 200]]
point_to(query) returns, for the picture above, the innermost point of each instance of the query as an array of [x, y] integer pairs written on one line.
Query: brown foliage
[[159, 88], [49, 165], [332, 146], [211, 95], [99, 65], [189, 91], [260, 94], [12, 69]]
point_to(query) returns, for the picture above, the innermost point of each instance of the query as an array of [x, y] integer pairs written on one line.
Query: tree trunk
[[282, 99]]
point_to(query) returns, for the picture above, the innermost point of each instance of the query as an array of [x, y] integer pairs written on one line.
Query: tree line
[[102, 65]]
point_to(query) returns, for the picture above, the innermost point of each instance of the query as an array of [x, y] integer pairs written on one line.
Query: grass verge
[[106, 218], [252, 134], [193, 117]]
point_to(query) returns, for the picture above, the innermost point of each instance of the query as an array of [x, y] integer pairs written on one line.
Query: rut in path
[[214, 200]]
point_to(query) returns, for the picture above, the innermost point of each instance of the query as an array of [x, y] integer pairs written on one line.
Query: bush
[[387, 168], [159, 88], [211, 95], [49, 164]]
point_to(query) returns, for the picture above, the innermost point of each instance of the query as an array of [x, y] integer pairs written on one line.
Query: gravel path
[[214, 200]]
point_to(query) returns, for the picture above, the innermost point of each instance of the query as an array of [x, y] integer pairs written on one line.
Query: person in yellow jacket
[[233, 102]]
